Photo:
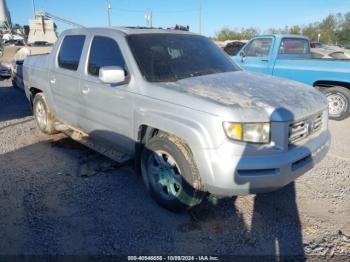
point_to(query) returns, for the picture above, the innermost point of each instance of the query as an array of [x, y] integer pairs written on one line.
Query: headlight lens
[[248, 132]]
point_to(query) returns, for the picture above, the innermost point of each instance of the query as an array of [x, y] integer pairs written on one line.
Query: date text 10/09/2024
[[173, 258]]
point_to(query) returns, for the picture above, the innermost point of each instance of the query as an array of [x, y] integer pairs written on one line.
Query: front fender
[[192, 132], [197, 136]]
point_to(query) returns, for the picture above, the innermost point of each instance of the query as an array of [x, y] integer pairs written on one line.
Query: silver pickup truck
[[194, 122]]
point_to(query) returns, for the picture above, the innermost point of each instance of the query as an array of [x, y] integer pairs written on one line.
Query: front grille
[[302, 129]]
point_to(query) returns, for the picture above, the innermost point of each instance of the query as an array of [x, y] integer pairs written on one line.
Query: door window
[[259, 47], [70, 53], [104, 52]]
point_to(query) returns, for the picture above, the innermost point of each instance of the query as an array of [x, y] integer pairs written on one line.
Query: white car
[[330, 52]]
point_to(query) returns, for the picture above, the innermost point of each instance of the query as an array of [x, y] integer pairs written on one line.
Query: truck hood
[[255, 97]]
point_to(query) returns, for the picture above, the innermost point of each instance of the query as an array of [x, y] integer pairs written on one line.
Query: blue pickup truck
[[289, 56]]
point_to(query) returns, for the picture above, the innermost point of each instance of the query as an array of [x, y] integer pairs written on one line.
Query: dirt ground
[[49, 206]]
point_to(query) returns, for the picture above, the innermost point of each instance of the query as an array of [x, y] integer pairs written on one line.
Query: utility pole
[[34, 11], [109, 13], [149, 18], [200, 17]]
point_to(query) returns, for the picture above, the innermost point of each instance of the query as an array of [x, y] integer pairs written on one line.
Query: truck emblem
[[310, 127]]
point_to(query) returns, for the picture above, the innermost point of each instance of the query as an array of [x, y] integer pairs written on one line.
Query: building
[[42, 30]]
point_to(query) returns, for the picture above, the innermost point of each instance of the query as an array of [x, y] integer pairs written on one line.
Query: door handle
[[53, 81], [265, 60], [85, 90]]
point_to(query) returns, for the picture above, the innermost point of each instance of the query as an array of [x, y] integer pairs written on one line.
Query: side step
[[83, 139]]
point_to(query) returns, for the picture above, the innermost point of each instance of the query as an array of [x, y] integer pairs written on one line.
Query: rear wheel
[[338, 102], [43, 116], [170, 173], [14, 84]]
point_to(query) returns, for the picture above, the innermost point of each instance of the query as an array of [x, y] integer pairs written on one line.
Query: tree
[[226, 34], [229, 34], [249, 33], [327, 29], [311, 31], [274, 31], [335, 28], [295, 30], [343, 34]]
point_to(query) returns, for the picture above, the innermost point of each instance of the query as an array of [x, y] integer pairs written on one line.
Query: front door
[[108, 108], [256, 56]]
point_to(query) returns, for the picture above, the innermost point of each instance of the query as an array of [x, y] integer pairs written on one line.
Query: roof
[[128, 30], [284, 36]]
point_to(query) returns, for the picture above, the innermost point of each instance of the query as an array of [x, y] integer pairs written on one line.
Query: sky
[[216, 14]]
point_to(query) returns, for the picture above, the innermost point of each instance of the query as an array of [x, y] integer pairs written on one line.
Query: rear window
[[291, 46], [70, 52]]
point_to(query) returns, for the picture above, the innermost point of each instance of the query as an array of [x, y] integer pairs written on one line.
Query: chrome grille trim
[[304, 128]]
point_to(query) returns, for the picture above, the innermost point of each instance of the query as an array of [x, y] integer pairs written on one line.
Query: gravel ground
[[49, 206]]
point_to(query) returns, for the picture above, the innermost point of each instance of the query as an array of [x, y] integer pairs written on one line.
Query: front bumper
[[237, 173]]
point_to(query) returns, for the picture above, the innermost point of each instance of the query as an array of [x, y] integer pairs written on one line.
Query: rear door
[[65, 77], [256, 56]]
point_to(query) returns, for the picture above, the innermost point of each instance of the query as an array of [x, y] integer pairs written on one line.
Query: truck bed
[[309, 71], [35, 70]]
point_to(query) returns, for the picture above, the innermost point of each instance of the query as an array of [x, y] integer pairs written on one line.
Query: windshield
[[170, 57]]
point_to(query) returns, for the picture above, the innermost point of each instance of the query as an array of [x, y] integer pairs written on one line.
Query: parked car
[[5, 70], [41, 43], [325, 53], [289, 56], [314, 44], [16, 42], [192, 119], [233, 48], [321, 48], [6, 59]]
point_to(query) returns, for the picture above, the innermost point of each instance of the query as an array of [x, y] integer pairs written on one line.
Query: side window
[[104, 52], [259, 47], [293, 46], [70, 52]]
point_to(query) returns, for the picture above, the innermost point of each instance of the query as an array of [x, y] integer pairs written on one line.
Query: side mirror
[[243, 56], [112, 74]]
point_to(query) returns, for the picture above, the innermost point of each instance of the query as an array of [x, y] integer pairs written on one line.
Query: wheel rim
[[40, 114], [165, 174], [337, 103]]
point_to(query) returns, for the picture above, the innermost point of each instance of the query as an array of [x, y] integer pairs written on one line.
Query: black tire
[[45, 120], [187, 182], [338, 95], [14, 85]]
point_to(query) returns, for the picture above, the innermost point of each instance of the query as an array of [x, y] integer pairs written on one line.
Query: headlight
[[248, 132]]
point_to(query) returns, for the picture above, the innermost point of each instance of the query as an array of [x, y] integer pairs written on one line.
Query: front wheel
[[170, 173], [44, 118], [338, 102]]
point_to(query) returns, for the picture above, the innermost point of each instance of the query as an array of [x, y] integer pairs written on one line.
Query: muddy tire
[[338, 102], [170, 174], [14, 85], [43, 117]]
